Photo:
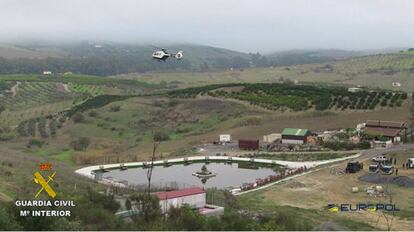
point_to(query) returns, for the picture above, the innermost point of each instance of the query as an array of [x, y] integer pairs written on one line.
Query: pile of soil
[[403, 181]]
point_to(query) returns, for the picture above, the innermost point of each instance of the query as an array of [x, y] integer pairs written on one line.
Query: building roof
[[294, 131], [179, 193], [380, 123], [388, 132]]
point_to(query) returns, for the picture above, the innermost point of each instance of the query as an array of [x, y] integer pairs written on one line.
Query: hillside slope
[[105, 59], [16, 52]]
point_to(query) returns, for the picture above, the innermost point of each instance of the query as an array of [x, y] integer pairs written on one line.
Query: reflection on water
[[228, 175]]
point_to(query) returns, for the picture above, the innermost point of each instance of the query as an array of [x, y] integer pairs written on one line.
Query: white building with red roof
[[195, 198]]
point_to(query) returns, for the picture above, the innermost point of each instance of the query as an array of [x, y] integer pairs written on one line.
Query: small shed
[[225, 138], [193, 197], [270, 138]]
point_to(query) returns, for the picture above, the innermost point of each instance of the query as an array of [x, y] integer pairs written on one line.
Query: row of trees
[[46, 127], [345, 145], [298, 97]]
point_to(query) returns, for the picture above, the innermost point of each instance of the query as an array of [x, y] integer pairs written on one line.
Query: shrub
[[42, 128], [172, 103], [35, 142], [80, 144], [114, 108], [6, 136], [160, 136], [53, 127], [22, 129], [31, 127], [364, 145], [92, 113], [78, 118]]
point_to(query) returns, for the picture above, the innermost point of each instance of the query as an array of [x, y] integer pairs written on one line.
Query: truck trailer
[[246, 144]]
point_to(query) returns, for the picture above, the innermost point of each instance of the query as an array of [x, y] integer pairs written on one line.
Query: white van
[[410, 162]]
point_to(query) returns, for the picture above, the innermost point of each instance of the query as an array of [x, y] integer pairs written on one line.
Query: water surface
[[180, 175]]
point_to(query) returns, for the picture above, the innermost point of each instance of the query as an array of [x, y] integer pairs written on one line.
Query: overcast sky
[[245, 25]]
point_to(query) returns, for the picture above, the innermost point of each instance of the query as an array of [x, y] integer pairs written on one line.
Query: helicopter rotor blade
[[156, 47]]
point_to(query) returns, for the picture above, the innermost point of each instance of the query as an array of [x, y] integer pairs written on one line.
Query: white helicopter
[[163, 55]]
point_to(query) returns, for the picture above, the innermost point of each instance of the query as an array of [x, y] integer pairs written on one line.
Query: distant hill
[[114, 58], [106, 59], [312, 56], [387, 64], [295, 57], [15, 52]]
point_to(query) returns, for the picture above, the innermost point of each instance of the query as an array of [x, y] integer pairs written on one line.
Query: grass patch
[[257, 202], [65, 156], [201, 127]]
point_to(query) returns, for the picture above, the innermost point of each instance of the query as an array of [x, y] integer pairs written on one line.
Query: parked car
[[373, 168], [353, 167], [386, 169], [380, 158]]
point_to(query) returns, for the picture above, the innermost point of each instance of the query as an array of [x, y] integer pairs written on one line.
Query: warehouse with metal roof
[[388, 129], [295, 135]]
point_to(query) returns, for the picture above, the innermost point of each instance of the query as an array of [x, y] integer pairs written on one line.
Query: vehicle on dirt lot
[[386, 169], [245, 144], [353, 167], [410, 162], [379, 158], [373, 168]]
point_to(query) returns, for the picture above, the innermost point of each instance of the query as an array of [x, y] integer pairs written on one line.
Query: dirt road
[[14, 88], [317, 189]]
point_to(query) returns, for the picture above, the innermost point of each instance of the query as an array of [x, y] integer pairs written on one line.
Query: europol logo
[[44, 184], [335, 208]]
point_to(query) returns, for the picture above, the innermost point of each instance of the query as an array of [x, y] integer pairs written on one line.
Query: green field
[[92, 90]]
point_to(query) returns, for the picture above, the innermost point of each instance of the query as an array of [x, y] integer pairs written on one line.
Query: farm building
[[47, 73], [247, 144], [195, 198], [226, 138], [396, 84], [354, 90], [295, 136], [388, 129], [270, 138]]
